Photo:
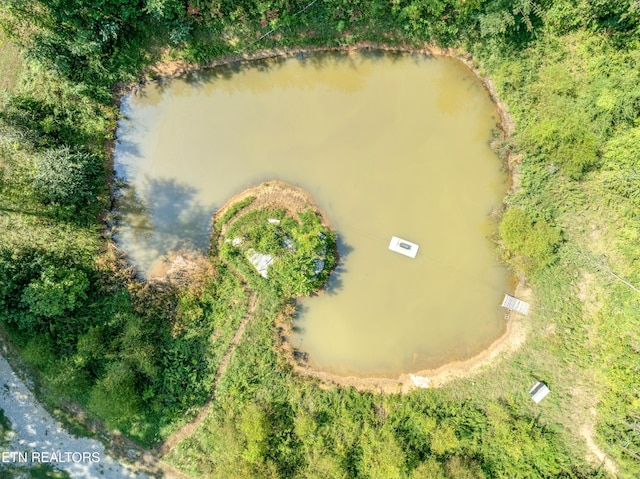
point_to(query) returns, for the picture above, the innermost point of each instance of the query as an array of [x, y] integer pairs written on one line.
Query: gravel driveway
[[39, 438]]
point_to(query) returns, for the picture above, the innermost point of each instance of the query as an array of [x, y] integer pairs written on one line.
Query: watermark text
[[40, 457]]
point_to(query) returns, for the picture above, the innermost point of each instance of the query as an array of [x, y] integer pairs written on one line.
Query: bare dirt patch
[[594, 453], [590, 295], [181, 268], [271, 195]]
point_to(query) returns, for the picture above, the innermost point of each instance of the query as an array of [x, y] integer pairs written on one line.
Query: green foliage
[[255, 427], [35, 471], [184, 369], [574, 97], [620, 162], [231, 212], [52, 112], [622, 16], [56, 292], [510, 22], [115, 397], [68, 178], [622, 152], [382, 458], [444, 440], [299, 248], [5, 429], [562, 134], [40, 288], [565, 138], [535, 242], [10, 64], [91, 46]]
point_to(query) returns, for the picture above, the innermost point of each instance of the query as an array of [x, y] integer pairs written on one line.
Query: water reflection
[[164, 216]]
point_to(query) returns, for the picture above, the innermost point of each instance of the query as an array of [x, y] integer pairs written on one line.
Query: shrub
[[67, 178], [116, 398], [533, 243], [56, 291]]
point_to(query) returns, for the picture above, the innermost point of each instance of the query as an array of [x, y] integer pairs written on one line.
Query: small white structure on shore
[[403, 246], [514, 304], [539, 391], [420, 381], [260, 261]]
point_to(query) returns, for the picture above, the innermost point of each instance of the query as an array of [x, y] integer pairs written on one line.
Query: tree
[[85, 42], [510, 21], [57, 291]]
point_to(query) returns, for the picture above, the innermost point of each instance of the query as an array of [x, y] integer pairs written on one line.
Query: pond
[[386, 144]]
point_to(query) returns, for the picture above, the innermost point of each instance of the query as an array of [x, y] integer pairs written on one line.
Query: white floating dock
[[403, 246]]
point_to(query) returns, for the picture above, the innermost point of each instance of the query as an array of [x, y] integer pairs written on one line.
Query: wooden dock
[[514, 304]]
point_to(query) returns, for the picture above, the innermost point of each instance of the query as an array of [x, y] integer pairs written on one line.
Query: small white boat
[[403, 246]]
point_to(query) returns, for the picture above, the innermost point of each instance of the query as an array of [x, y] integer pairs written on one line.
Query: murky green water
[[386, 144]]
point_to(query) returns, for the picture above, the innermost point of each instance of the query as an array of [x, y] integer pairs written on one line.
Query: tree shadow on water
[[177, 214], [298, 318], [229, 70], [334, 284], [165, 216], [125, 147]]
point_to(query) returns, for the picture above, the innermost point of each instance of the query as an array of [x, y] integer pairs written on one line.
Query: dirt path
[[594, 453], [272, 194], [188, 429]]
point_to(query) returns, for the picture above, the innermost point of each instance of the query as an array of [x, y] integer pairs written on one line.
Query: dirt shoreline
[[282, 195], [273, 194], [515, 335]]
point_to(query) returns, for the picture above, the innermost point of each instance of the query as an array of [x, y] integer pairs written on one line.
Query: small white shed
[[539, 391]]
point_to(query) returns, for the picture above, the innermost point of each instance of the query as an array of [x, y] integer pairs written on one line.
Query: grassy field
[[10, 64]]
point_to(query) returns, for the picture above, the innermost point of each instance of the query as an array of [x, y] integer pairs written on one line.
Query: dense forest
[[138, 356]]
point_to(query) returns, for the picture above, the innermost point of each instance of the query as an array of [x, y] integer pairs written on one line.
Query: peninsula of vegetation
[[110, 353]]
